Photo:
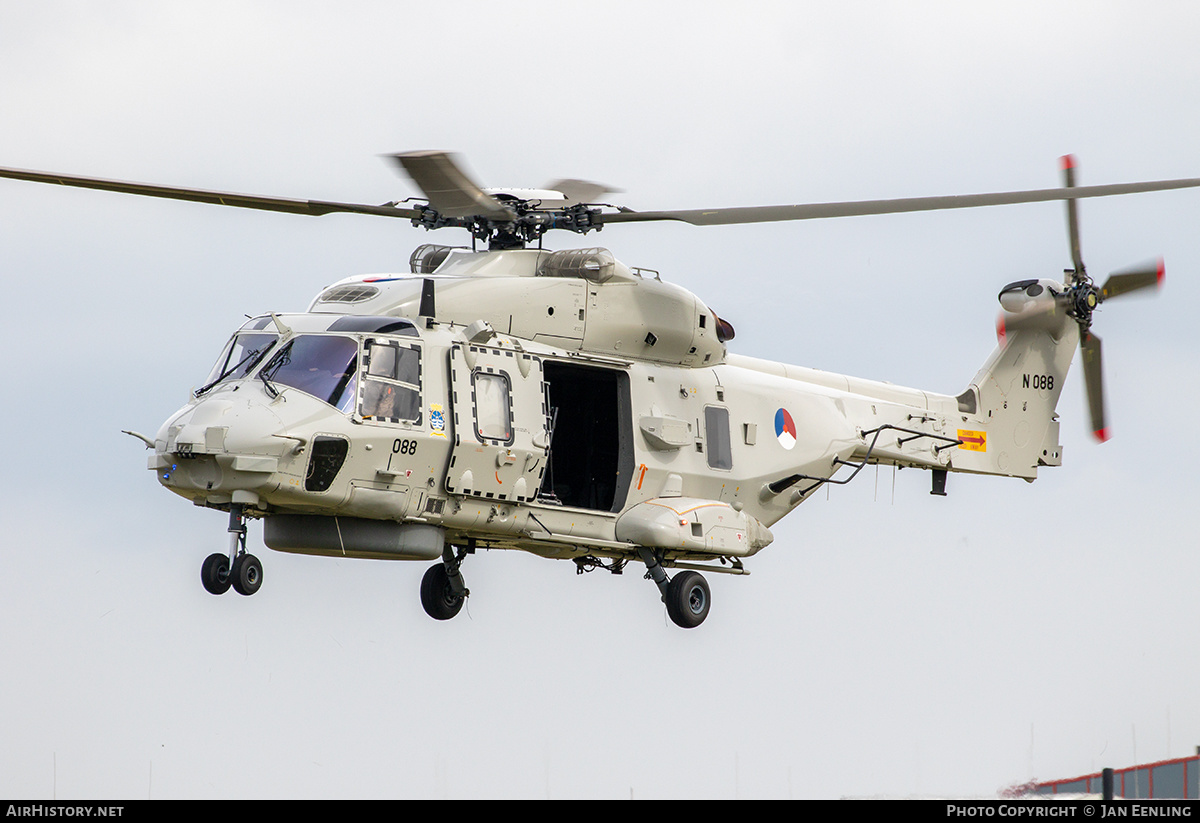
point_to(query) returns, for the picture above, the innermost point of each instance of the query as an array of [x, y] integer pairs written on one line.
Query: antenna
[[427, 301]]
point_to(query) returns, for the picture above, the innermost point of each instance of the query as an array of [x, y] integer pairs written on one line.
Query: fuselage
[[577, 412]]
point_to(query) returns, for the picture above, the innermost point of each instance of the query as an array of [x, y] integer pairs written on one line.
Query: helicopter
[[562, 403]]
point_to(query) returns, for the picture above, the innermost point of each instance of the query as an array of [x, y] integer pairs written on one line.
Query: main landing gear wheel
[[688, 599], [686, 594], [247, 574], [214, 574], [438, 594]]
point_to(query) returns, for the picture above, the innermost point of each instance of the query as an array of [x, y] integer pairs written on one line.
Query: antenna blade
[[288, 205], [428, 306], [771, 214], [1093, 379], [1133, 279], [450, 191]]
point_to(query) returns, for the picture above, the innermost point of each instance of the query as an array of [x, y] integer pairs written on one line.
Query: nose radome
[[252, 429], [220, 425]]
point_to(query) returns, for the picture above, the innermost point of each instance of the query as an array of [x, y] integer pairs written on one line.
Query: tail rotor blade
[[1068, 168], [1093, 379], [1133, 279]]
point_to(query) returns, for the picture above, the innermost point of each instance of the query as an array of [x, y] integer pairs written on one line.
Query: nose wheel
[[214, 574], [238, 568], [247, 574]]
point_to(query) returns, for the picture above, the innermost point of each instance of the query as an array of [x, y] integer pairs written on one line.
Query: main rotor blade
[[1068, 167], [1093, 378], [771, 214], [1132, 279], [580, 191], [450, 191], [245, 201]]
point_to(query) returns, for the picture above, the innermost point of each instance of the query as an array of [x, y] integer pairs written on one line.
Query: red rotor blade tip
[[1102, 434], [1067, 161], [1162, 271]]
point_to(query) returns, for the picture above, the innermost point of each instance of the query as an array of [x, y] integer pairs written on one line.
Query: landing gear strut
[[443, 590], [686, 595], [239, 569]]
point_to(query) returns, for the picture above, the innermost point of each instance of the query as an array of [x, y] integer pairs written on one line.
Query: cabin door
[[501, 432]]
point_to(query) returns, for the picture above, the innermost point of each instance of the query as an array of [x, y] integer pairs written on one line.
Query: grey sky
[[888, 643]]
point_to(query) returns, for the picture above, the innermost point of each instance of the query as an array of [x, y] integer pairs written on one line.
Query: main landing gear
[[686, 595], [443, 590], [239, 568]]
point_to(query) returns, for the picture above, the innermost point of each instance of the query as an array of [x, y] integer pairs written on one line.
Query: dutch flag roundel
[[785, 428]]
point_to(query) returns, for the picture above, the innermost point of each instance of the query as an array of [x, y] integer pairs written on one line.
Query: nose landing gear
[[239, 568]]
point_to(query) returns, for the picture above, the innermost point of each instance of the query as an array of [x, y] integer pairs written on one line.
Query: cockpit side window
[[391, 382], [324, 366]]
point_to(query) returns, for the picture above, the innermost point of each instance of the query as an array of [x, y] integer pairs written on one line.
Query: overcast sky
[[889, 643]]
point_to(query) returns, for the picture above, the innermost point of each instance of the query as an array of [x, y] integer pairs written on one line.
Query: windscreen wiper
[[267, 384], [252, 353]]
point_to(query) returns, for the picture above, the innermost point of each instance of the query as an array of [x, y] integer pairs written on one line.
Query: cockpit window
[[320, 365], [392, 382], [239, 358]]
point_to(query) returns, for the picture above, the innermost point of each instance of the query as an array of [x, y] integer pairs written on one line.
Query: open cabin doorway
[[591, 453]]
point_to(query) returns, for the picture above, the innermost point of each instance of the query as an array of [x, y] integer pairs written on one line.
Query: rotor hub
[[1082, 299], [527, 224]]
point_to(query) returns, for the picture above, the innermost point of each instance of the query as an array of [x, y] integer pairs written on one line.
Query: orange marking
[[972, 440]]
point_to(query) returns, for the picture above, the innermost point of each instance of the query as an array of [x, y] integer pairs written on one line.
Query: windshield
[[239, 358], [320, 365]]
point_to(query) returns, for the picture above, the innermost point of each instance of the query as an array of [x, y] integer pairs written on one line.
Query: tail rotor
[[1083, 297]]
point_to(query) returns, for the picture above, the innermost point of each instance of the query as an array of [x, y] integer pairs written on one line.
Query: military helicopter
[[564, 404]]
